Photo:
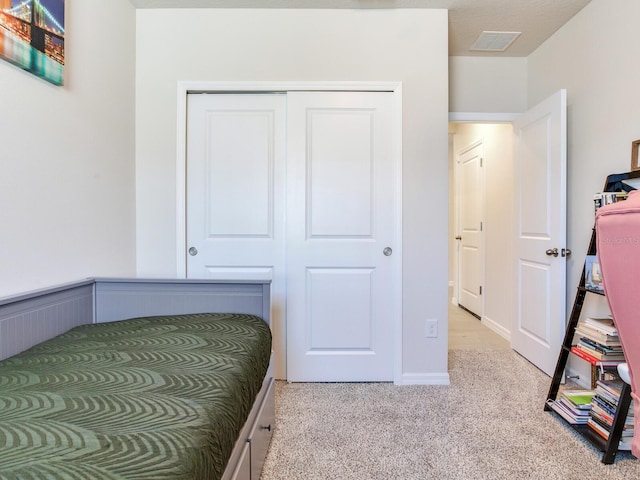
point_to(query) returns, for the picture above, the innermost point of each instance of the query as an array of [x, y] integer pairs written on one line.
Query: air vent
[[494, 41]]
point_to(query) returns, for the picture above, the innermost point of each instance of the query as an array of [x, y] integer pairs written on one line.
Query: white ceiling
[[536, 19]]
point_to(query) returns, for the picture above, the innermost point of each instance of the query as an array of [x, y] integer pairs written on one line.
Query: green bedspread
[[146, 398]]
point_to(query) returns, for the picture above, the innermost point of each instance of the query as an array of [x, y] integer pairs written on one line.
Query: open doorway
[[481, 227]]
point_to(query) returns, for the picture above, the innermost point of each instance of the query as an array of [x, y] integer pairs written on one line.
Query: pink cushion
[[618, 246]]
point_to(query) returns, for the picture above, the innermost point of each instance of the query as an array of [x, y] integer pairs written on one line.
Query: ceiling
[[536, 19]]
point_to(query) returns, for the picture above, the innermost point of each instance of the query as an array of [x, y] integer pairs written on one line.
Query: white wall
[[499, 222], [67, 157], [307, 45], [595, 57], [487, 84]]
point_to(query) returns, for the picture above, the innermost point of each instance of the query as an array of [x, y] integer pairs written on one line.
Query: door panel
[[471, 217], [339, 206], [239, 149], [340, 212], [339, 300], [236, 195], [540, 153]]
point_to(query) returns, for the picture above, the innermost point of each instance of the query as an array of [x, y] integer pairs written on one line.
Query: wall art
[[32, 36]]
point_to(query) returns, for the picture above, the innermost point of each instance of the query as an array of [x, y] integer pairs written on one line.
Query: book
[[600, 356], [609, 391], [605, 198], [571, 416], [580, 399], [607, 426], [605, 325], [604, 414], [597, 201], [625, 441], [598, 347], [594, 360], [605, 404], [584, 330], [611, 387]]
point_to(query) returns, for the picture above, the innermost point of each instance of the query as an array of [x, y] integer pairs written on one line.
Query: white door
[[470, 230], [341, 228], [236, 195], [540, 155]]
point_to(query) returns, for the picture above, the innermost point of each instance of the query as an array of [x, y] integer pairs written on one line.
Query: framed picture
[[634, 155], [32, 36], [592, 274]]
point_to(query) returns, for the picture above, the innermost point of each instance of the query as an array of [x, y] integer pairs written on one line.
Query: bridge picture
[[32, 36]]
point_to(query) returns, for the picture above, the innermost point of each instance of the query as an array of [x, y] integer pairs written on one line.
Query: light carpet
[[488, 424]]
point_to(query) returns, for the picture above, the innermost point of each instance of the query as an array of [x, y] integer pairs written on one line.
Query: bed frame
[[31, 318]]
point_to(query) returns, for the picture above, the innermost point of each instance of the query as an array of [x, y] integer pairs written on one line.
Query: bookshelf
[[604, 421]]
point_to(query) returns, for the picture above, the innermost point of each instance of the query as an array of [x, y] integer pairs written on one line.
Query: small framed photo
[[592, 274], [634, 156]]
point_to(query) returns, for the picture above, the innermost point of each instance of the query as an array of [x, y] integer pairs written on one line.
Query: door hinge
[[480, 226], [480, 289], [481, 161]]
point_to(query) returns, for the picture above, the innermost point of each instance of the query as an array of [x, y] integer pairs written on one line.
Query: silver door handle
[[387, 251], [193, 251], [552, 252]]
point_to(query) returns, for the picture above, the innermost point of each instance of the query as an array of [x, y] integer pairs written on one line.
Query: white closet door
[[340, 223], [236, 195]]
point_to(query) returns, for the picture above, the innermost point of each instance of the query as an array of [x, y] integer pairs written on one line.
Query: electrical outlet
[[431, 328]]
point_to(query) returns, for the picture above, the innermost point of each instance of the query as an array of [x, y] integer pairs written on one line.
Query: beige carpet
[[488, 424]]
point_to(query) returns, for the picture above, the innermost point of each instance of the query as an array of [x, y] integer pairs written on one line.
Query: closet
[[302, 188]]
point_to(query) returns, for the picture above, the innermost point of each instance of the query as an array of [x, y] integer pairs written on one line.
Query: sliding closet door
[[235, 195], [323, 231], [340, 236]]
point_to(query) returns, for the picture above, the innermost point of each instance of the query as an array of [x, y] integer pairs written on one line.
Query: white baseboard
[[497, 328], [424, 379]]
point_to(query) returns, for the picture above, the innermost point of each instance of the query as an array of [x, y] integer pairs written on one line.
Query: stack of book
[[597, 342], [603, 408], [605, 198], [574, 405]]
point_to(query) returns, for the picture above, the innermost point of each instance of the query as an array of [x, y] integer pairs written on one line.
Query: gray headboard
[[31, 318]]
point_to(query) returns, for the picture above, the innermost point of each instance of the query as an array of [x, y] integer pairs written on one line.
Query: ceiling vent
[[494, 41]]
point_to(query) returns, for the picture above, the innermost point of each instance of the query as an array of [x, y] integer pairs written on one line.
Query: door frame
[[394, 88], [473, 117], [486, 117]]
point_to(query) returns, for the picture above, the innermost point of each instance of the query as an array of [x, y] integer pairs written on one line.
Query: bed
[[144, 379]]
